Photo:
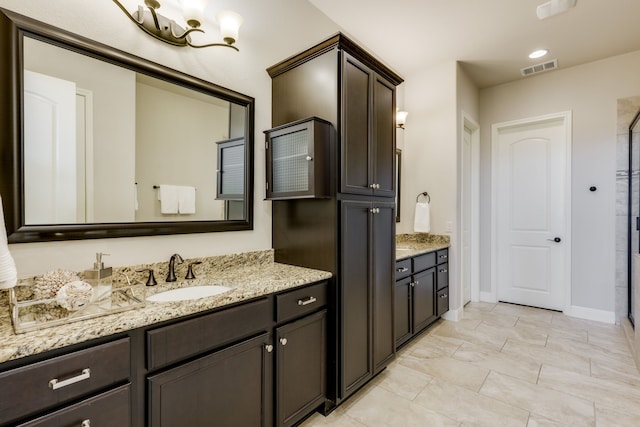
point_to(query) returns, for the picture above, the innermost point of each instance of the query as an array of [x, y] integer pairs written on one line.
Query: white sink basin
[[192, 292]]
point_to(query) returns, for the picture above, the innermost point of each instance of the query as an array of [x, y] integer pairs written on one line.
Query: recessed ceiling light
[[538, 53]]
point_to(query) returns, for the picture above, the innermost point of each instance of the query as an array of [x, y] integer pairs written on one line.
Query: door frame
[[467, 121], [496, 128]]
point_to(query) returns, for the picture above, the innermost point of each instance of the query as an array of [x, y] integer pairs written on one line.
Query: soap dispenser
[[101, 279]]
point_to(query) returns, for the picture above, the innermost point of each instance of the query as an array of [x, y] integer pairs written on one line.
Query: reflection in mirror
[[100, 140]]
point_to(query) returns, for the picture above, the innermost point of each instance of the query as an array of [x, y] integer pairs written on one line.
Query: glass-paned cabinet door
[[298, 159]]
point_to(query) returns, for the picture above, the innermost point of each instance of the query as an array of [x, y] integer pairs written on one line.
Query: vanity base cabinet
[[301, 368], [226, 388], [421, 293]]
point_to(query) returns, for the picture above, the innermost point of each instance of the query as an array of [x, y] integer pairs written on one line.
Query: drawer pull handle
[[402, 270], [444, 296], [443, 256], [413, 284], [269, 348], [86, 423], [307, 301], [309, 158], [444, 270], [283, 341], [56, 383]]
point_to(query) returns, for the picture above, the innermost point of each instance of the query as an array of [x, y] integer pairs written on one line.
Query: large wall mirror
[[98, 143]]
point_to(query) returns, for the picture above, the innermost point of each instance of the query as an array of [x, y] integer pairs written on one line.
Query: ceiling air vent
[[539, 68]]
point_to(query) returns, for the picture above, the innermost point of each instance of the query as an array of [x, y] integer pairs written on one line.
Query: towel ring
[[425, 194]]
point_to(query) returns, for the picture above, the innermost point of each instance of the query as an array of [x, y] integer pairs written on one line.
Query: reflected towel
[[186, 200], [8, 273], [168, 196], [422, 220]]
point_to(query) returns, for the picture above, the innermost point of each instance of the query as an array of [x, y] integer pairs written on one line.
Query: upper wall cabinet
[[340, 82], [298, 163]]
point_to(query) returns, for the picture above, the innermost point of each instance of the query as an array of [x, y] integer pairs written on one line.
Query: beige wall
[[242, 71], [590, 92]]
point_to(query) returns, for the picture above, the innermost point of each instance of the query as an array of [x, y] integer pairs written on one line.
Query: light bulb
[[193, 12], [229, 25]]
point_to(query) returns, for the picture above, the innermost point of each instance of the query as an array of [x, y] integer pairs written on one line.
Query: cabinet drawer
[[42, 385], [301, 301], [112, 408], [423, 262], [443, 276], [176, 342], [403, 268], [442, 302], [443, 255]]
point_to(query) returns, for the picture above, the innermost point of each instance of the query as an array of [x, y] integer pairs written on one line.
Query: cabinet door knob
[[402, 270], [377, 186], [283, 341], [444, 270], [269, 348], [444, 296], [443, 256], [412, 284], [86, 423], [309, 158], [372, 185]]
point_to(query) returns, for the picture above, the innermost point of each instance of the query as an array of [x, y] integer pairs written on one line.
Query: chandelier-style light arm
[[214, 44], [185, 33]]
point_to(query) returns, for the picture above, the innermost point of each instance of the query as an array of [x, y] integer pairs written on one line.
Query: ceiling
[[491, 38]]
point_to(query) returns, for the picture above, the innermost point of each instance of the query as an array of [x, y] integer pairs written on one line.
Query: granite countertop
[[249, 275], [410, 245]]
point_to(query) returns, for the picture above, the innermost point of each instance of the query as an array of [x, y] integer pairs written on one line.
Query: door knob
[[555, 239]]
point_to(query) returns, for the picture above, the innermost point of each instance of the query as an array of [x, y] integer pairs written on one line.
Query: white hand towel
[[168, 196], [8, 273], [422, 220], [186, 200]]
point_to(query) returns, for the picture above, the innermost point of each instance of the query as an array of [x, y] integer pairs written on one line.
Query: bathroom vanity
[[255, 355]]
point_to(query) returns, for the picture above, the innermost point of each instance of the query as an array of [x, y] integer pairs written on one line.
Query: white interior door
[[50, 176], [531, 212]]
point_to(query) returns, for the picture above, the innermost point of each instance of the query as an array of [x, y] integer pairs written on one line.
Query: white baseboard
[[453, 315], [591, 314], [487, 297]]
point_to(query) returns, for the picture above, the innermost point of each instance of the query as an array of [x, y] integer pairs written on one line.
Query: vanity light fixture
[[401, 118], [169, 31]]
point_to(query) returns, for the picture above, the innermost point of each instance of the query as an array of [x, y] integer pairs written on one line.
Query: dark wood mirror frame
[[13, 28]]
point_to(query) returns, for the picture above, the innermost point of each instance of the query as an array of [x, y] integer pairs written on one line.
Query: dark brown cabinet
[[367, 291], [301, 368], [246, 353], [228, 387], [352, 233], [421, 293], [63, 383], [368, 117], [297, 157]]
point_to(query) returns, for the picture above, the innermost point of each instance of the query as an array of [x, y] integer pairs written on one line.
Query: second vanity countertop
[[256, 276], [410, 245]]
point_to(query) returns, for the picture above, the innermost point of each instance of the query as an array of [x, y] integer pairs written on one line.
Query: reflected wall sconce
[[169, 31], [401, 118]]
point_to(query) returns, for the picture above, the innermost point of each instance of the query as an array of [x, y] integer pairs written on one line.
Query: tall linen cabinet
[[350, 233]]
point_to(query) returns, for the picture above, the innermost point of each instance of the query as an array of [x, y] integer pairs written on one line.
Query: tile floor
[[502, 365]]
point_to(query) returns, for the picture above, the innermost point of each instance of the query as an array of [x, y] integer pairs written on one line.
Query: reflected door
[[50, 146]]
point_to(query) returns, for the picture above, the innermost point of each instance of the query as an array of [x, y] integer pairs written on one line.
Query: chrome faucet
[[171, 276]]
